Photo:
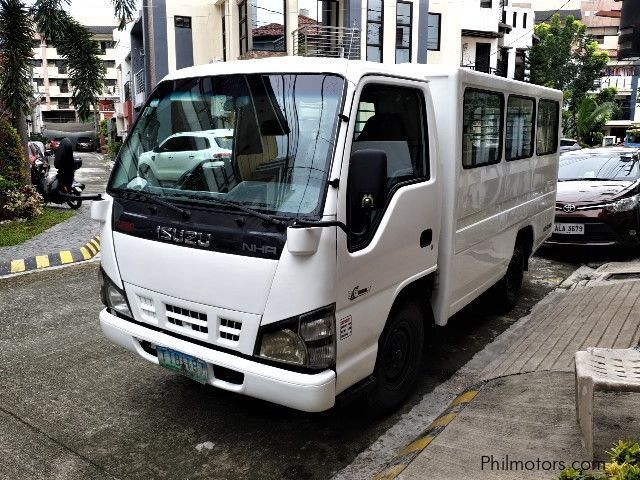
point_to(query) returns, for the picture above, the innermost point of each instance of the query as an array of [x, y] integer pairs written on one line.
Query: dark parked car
[[84, 144], [598, 200]]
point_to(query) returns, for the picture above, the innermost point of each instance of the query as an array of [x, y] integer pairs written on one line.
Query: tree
[[566, 58], [73, 41]]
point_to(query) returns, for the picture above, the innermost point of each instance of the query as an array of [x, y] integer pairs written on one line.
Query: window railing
[[139, 81], [325, 41], [483, 69], [127, 91]]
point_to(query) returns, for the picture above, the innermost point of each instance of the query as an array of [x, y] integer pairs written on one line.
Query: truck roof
[[352, 70]]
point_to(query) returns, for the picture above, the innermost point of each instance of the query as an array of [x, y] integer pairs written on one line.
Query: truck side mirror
[[366, 187]]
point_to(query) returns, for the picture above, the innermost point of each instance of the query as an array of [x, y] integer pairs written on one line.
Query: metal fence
[[325, 41]]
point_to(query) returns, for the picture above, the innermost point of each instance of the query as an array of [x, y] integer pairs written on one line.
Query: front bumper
[[601, 228], [306, 392]]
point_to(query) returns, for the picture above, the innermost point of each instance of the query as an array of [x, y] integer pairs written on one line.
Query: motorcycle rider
[[64, 163]]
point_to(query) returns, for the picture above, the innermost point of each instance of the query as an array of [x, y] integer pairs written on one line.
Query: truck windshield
[[264, 141]]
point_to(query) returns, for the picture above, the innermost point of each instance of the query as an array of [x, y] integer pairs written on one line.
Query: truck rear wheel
[[508, 288], [400, 350]]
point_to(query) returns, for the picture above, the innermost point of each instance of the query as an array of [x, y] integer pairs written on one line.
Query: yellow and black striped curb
[[405, 456], [64, 257]]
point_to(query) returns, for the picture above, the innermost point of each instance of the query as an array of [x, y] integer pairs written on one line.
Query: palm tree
[[73, 42], [591, 118]]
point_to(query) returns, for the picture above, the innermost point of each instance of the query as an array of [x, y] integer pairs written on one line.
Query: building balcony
[[326, 41], [500, 71], [622, 83]]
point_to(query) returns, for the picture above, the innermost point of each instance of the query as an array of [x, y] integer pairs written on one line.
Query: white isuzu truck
[[352, 206]]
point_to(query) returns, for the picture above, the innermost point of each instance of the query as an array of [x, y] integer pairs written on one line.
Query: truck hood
[[591, 191], [200, 276]]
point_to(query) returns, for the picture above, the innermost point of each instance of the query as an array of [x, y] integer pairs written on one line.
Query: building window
[[524, 20], [485, 3], [182, 22], [481, 128], [519, 131], [404, 16], [109, 64], [224, 35], [375, 19], [268, 26], [515, 19], [433, 31], [244, 30], [64, 86]]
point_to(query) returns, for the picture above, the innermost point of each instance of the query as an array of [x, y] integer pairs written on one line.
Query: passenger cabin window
[[481, 128], [519, 131], [392, 119], [547, 131]]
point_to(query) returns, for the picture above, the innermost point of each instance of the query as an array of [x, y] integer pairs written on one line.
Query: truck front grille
[[187, 319], [230, 329]]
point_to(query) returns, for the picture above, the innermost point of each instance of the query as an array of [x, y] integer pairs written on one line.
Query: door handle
[[426, 237]]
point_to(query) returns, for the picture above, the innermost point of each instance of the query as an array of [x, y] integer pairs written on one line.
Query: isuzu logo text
[[188, 237]]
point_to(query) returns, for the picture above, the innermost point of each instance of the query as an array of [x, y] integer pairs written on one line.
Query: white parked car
[[569, 145], [184, 151]]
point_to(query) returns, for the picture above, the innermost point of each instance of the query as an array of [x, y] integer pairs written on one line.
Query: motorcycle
[[52, 189]]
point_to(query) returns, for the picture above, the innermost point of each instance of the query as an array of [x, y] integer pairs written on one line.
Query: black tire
[[75, 204], [507, 290], [400, 351]]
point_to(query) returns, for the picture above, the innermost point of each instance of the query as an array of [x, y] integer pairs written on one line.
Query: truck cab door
[[397, 243]]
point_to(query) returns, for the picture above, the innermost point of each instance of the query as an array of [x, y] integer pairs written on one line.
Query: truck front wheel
[[400, 350]]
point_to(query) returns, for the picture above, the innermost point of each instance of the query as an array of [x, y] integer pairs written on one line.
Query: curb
[[64, 257], [404, 457]]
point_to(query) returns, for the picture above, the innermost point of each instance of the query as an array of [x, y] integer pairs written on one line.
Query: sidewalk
[[70, 241], [524, 410]]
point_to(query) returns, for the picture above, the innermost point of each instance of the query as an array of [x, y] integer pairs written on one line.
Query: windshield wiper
[[279, 221], [135, 194]]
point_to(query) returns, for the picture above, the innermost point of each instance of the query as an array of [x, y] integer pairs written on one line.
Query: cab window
[[392, 119]]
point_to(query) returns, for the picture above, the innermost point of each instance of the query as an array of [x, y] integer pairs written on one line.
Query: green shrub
[[23, 202], [114, 149], [13, 165], [625, 465]]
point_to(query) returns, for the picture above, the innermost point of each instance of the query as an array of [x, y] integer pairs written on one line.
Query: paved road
[[74, 406], [76, 231]]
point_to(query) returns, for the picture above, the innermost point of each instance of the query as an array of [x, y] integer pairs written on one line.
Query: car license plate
[[179, 362], [569, 228]]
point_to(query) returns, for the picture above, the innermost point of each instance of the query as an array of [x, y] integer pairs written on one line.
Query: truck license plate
[[179, 362], [569, 228]]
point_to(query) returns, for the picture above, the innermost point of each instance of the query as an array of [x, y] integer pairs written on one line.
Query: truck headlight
[[623, 205], [308, 340], [112, 296]]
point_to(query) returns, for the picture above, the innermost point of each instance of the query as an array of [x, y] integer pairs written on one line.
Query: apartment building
[[629, 52], [490, 36], [53, 89], [172, 34]]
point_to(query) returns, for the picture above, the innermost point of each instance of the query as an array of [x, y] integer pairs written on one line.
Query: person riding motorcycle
[[64, 163]]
